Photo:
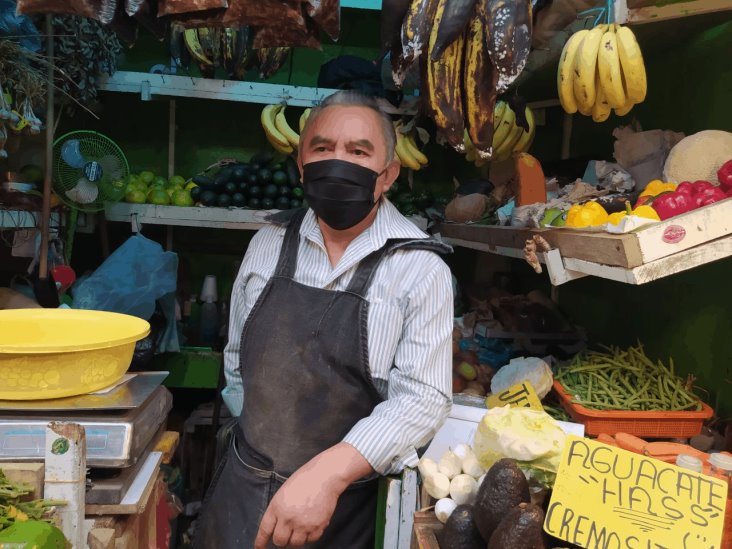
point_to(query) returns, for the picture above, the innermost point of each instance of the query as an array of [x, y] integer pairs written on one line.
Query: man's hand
[[301, 510]]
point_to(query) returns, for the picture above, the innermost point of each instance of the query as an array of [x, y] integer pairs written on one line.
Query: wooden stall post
[[66, 477]]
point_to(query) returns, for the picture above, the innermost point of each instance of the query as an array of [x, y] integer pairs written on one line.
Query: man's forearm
[[339, 466]]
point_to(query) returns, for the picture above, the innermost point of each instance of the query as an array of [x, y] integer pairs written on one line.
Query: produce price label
[[521, 395], [608, 498]]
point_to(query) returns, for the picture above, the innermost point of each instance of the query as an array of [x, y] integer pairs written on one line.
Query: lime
[[133, 179], [171, 191], [191, 186], [159, 181], [182, 198], [159, 197], [135, 196], [177, 181], [147, 177]]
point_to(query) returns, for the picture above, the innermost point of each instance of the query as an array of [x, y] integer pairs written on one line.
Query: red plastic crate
[[640, 424]]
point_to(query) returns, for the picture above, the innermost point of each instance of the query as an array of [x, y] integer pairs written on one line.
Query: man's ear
[[391, 173]]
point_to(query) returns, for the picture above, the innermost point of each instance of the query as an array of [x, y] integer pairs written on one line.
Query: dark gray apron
[[307, 382]]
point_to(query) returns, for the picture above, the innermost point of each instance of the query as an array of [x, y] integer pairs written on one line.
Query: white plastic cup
[[209, 294]]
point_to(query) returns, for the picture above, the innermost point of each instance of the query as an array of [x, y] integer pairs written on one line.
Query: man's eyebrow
[[365, 143], [320, 140]]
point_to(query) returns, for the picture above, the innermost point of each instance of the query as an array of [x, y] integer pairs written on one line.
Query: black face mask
[[340, 193]]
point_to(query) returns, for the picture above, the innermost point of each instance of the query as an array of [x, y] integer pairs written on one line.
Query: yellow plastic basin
[[54, 353]]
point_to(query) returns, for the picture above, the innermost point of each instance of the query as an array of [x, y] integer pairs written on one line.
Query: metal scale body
[[121, 426]]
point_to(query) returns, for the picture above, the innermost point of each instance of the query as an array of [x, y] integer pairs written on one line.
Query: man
[[341, 321]]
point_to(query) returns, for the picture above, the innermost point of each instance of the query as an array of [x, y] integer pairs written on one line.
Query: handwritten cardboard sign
[[608, 498], [520, 395]]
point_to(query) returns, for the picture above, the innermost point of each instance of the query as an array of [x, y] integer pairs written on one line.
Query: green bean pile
[[625, 380]]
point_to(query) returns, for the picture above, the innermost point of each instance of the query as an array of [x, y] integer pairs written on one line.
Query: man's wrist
[[341, 466]]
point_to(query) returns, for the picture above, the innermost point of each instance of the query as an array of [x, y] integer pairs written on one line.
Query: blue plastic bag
[[130, 281]]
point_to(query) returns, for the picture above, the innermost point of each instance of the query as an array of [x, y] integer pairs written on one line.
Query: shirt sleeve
[[419, 393], [233, 393]]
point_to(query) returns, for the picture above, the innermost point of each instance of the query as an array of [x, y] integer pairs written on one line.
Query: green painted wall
[[690, 85], [687, 316]]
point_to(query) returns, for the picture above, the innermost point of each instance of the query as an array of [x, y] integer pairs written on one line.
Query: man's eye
[[359, 152], [320, 149]]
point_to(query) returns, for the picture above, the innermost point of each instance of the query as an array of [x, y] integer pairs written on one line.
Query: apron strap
[[367, 267], [287, 262]]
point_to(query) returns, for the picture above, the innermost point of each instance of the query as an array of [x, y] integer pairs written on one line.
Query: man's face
[[352, 134]]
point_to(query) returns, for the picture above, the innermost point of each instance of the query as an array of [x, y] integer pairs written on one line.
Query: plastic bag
[[130, 281], [176, 7]]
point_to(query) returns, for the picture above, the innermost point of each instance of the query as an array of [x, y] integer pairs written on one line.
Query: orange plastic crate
[[640, 424]]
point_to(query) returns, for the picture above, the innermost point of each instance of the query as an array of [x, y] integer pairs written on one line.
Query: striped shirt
[[409, 330]]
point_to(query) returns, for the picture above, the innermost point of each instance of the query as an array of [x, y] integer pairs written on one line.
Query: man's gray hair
[[353, 98]]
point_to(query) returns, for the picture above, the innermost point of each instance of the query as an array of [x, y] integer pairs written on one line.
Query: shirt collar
[[389, 223]]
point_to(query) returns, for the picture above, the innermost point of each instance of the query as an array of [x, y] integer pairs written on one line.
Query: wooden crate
[[630, 250], [424, 532]]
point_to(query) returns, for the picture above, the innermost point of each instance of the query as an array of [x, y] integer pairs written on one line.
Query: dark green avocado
[[522, 527], [503, 489], [460, 531]]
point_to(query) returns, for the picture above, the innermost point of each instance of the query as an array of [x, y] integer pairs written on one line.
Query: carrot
[[606, 439], [630, 442], [655, 449]]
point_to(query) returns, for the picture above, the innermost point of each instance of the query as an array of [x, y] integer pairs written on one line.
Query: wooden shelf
[[149, 85], [650, 253], [194, 216], [663, 11]]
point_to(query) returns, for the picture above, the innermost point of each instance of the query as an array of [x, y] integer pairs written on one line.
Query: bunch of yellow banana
[[278, 131], [600, 70], [508, 137], [407, 150]]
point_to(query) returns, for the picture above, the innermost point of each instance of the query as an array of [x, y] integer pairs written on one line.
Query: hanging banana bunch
[[600, 71], [407, 151], [470, 51]]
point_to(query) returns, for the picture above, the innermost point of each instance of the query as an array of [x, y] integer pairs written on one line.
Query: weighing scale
[[122, 425]]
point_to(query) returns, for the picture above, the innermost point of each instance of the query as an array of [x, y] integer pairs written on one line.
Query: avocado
[[460, 531], [271, 191], [277, 166], [239, 173], [285, 191], [226, 174], [265, 175], [219, 181], [202, 181], [280, 178], [243, 187], [521, 527], [196, 193], [208, 198], [231, 187], [252, 179], [293, 172], [298, 192], [254, 191], [268, 204], [282, 203], [223, 201], [254, 203], [238, 200], [295, 203], [503, 488]]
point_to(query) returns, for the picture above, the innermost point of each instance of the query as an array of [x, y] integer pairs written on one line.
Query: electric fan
[[89, 169]]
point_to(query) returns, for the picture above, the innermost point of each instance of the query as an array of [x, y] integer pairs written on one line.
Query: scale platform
[[119, 423]]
